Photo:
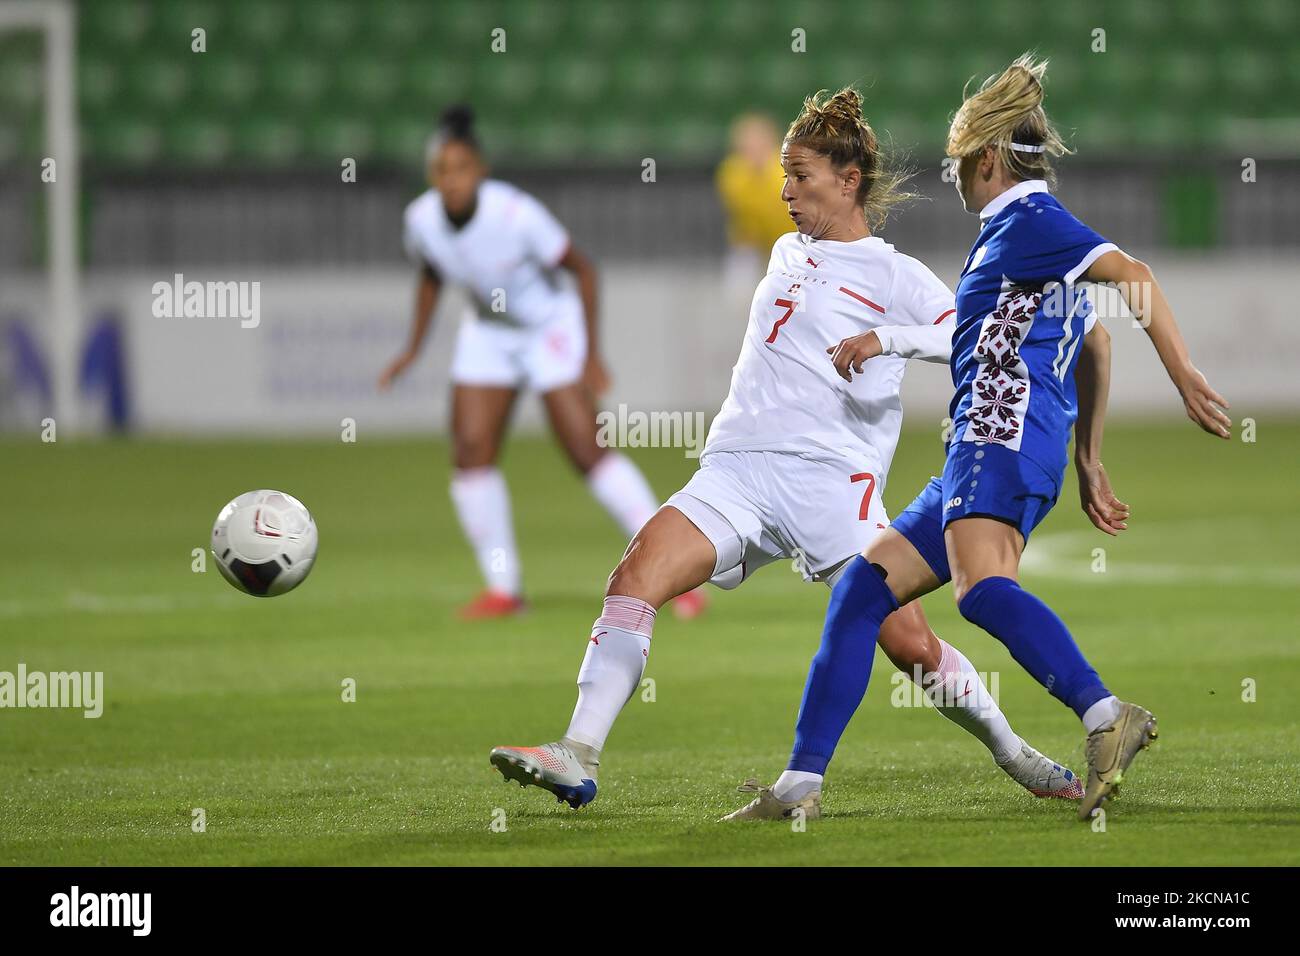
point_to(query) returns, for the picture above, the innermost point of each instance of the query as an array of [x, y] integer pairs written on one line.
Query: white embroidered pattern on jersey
[[1000, 392]]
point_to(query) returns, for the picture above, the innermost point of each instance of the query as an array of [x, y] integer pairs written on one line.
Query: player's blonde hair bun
[[832, 124], [1008, 109]]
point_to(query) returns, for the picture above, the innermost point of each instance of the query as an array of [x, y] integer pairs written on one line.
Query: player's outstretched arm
[[426, 298], [1144, 298], [926, 343], [1092, 380]]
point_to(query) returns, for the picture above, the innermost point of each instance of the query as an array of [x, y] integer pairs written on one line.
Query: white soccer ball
[[264, 542]]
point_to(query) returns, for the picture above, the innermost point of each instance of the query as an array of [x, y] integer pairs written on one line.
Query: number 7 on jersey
[[788, 305]]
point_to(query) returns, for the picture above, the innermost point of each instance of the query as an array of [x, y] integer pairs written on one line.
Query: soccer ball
[[264, 542]]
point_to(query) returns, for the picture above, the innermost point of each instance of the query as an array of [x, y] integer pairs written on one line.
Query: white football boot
[[766, 806], [1043, 776], [554, 767]]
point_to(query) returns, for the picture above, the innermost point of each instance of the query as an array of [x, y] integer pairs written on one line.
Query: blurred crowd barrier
[[298, 353]]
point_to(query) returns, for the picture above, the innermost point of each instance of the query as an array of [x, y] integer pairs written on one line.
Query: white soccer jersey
[[506, 255], [785, 394]]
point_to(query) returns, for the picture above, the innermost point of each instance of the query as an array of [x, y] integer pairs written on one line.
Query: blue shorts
[[979, 481]]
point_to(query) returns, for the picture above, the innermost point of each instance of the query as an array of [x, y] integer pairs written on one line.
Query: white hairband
[[1022, 148]]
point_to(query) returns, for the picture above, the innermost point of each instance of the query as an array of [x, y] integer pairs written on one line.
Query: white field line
[[1068, 556], [84, 602], [1064, 556]]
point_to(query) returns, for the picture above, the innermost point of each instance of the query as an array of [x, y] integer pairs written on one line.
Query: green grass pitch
[[232, 704]]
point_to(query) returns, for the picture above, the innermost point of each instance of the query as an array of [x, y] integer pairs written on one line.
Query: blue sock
[[841, 668], [1036, 638]]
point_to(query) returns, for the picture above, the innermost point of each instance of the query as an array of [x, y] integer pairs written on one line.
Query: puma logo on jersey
[[813, 264]]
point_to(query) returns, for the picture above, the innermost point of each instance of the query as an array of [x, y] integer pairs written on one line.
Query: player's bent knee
[[962, 584], [629, 580], [907, 640], [905, 573], [474, 452]]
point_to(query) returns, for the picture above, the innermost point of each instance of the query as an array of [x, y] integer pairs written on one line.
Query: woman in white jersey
[[797, 458], [527, 328]]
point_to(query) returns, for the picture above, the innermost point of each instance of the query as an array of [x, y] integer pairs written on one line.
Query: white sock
[[960, 695], [612, 669], [795, 785], [622, 489], [1101, 714], [483, 506]]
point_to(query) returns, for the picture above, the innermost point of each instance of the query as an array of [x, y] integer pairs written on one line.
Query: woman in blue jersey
[[1023, 329]]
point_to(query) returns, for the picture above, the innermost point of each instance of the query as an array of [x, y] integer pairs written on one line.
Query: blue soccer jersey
[[1020, 321]]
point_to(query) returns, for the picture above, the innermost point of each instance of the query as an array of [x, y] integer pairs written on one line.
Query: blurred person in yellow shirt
[[749, 182]]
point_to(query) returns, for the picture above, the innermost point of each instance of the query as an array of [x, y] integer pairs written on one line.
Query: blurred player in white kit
[[530, 330]]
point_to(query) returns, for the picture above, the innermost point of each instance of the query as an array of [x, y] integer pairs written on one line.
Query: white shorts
[[759, 506], [537, 357]]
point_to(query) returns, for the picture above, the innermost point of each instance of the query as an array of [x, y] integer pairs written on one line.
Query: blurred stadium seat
[[345, 65], [589, 89]]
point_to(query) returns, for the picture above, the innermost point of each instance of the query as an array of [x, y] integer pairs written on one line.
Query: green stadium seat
[[21, 82], [173, 23], [1182, 77], [224, 83], [557, 140], [1205, 19], [331, 25], [739, 22], [672, 24], [532, 27], [401, 25], [253, 25], [192, 141], [128, 141], [690, 136], [595, 25], [1166, 132], [433, 79], [296, 80], [468, 27], [99, 83], [783, 79], [114, 25], [594, 76], [640, 83], [266, 140], [158, 84], [401, 139], [1246, 79], [1099, 131], [715, 81], [364, 83], [619, 138], [509, 83], [1130, 24], [329, 138], [577, 82], [1271, 18]]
